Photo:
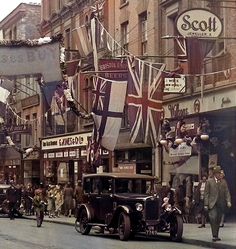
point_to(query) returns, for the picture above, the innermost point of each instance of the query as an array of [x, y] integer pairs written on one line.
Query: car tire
[[83, 223], [124, 226], [77, 225], [176, 228]]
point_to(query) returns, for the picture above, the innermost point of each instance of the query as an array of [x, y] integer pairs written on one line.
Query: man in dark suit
[[216, 199], [11, 196]]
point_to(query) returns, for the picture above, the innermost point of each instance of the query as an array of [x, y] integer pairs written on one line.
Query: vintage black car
[[123, 203], [4, 207]]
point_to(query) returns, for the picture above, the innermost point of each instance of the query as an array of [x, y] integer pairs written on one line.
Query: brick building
[[22, 24]]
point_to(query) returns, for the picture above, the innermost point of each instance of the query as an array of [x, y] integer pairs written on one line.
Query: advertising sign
[[181, 150], [175, 85], [199, 23]]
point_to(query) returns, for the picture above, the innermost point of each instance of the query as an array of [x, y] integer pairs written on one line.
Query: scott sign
[[199, 23]]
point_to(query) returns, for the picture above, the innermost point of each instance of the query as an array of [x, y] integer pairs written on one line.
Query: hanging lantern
[[204, 137], [163, 142], [178, 140]]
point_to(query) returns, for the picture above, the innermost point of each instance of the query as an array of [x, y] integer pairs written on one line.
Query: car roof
[[120, 175], [2, 186]]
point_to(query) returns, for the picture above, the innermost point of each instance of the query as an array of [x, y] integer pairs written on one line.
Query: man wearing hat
[[216, 199]]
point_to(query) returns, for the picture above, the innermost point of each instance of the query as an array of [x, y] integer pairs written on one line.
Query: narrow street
[[23, 234]]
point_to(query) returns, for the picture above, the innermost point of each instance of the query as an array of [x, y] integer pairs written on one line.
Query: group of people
[[209, 199], [52, 200]]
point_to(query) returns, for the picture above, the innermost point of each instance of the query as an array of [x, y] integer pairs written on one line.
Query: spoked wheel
[[77, 225], [84, 228], [124, 226], [176, 228]]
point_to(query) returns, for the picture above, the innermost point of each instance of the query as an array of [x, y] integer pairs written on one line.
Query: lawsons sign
[[199, 23]]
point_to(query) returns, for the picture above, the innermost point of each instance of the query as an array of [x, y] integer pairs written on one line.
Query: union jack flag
[[145, 91]]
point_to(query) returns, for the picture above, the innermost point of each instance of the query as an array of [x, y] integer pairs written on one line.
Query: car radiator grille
[[152, 209]]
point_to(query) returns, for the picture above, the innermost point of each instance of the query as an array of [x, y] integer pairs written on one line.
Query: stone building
[[24, 114]]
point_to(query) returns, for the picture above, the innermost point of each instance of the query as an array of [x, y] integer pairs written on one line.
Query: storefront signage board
[[199, 23]]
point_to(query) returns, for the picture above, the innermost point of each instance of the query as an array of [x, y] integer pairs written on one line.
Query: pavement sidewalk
[[191, 235]]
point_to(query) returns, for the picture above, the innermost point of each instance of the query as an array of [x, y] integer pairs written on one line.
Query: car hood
[[131, 196]]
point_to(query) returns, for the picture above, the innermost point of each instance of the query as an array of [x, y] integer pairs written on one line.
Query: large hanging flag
[[108, 106], [191, 52], [145, 91], [82, 39]]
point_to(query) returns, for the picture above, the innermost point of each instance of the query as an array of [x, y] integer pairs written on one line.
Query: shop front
[[189, 161], [10, 165], [132, 158], [64, 158], [32, 168]]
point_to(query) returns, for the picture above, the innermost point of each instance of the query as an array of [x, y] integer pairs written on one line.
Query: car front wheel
[[77, 225], [84, 228], [176, 228], [124, 226]]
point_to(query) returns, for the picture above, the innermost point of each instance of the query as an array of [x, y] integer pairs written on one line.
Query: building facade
[[209, 97], [23, 116], [149, 30]]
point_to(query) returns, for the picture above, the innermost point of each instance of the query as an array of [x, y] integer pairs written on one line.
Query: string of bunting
[[167, 72]]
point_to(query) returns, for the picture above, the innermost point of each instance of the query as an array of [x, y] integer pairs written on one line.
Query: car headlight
[[139, 206]]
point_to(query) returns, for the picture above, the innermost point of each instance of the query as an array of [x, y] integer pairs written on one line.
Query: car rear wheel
[[176, 228], [124, 226], [84, 228]]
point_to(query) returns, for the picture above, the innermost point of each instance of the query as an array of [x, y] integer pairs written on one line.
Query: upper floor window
[[67, 39], [143, 32], [125, 35]]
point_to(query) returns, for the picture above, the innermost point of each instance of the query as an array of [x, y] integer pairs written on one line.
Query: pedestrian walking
[[78, 194], [12, 197], [58, 200], [216, 199], [51, 201], [39, 206], [28, 195], [222, 221], [198, 201], [68, 199]]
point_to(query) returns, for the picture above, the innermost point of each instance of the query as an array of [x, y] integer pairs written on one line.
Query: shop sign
[[175, 85], [127, 168], [199, 23], [72, 153], [45, 155], [83, 152], [66, 154], [51, 155], [181, 150], [59, 154], [114, 69], [176, 111], [65, 141]]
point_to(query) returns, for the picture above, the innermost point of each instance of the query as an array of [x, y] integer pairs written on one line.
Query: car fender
[[120, 209], [88, 209]]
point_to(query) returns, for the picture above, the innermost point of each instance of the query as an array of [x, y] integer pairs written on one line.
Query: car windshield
[[136, 186]]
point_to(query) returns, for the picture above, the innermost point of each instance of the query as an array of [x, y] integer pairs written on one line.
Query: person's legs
[[213, 222]]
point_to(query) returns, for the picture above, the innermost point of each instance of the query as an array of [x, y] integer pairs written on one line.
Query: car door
[[106, 200]]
